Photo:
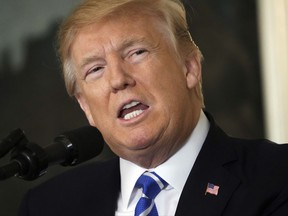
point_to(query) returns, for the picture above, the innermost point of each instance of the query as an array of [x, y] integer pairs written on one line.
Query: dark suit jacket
[[252, 176]]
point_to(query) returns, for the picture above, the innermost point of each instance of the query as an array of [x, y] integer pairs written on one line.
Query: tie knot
[[151, 184]]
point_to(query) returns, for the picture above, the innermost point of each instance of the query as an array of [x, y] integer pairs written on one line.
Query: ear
[[193, 70], [85, 107]]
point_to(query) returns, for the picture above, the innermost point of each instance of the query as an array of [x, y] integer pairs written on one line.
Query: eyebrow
[[88, 60], [123, 45], [131, 41]]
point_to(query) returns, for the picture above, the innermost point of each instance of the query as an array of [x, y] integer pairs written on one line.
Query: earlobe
[[85, 107], [193, 70]]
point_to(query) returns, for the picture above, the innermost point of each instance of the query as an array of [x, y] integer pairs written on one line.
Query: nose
[[120, 77]]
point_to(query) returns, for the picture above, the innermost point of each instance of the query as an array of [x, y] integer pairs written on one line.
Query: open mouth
[[132, 110]]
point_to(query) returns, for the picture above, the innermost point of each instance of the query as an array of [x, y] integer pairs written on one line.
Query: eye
[[94, 72], [139, 52], [137, 55], [95, 69]]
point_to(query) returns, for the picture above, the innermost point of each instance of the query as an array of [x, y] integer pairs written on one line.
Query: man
[[136, 73]]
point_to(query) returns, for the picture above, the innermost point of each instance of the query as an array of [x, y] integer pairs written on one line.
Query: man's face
[[134, 88]]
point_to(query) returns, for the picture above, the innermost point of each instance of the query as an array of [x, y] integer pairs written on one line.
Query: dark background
[[33, 96]]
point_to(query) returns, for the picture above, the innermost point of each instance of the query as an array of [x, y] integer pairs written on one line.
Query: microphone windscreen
[[87, 141]]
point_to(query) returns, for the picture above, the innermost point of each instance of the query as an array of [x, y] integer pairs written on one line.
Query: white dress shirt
[[174, 171]]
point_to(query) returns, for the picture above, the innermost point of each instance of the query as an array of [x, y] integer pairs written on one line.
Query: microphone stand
[[28, 160]]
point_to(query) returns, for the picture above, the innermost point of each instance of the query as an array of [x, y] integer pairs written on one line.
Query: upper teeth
[[133, 103]]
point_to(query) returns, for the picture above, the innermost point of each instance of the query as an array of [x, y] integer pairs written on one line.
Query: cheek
[[96, 101], [94, 91], [170, 86]]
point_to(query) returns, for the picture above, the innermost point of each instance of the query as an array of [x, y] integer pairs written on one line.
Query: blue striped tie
[[151, 184]]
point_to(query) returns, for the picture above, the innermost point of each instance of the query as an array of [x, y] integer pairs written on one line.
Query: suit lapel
[[210, 167]]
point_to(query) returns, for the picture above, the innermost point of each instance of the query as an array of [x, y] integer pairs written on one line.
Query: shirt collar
[[175, 170]]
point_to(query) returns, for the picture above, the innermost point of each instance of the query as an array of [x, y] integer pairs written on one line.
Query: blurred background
[[228, 32]]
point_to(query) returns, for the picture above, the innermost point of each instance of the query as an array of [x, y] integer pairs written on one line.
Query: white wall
[[273, 34]]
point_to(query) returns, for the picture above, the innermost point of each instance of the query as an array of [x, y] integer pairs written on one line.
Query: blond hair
[[169, 12]]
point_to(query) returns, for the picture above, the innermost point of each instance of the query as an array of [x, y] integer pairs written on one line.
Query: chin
[[138, 144], [140, 136]]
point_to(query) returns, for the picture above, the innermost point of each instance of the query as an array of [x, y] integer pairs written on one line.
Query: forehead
[[115, 31]]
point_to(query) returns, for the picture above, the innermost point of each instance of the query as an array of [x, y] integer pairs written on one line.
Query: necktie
[[151, 184]]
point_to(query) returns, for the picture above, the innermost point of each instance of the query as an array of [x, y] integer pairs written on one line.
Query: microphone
[[31, 161], [76, 146]]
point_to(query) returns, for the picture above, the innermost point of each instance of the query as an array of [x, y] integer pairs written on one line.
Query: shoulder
[[75, 192], [250, 150], [256, 160], [261, 150], [92, 173], [70, 191], [260, 163]]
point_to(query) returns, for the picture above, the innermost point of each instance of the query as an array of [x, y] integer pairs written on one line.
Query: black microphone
[[76, 146], [31, 161]]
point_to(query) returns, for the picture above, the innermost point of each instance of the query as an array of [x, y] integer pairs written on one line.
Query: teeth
[[133, 114], [133, 103]]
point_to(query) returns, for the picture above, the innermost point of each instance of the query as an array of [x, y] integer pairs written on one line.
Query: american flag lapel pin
[[212, 189]]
